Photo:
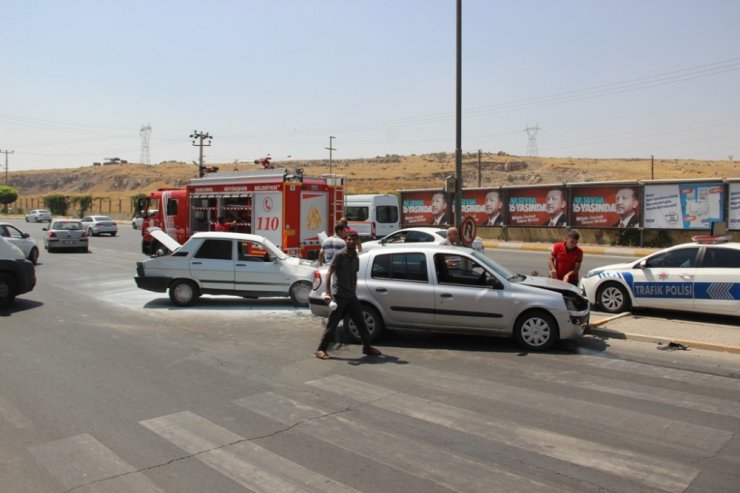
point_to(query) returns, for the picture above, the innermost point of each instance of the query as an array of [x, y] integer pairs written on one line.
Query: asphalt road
[[104, 387]]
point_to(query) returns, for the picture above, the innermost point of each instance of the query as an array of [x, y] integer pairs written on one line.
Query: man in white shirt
[[332, 244]]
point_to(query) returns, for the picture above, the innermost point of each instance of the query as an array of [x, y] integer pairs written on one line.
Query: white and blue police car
[[703, 276]]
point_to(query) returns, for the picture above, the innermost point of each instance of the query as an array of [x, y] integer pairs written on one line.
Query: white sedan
[[221, 263], [413, 237], [695, 277], [22, 240], [96, 225]]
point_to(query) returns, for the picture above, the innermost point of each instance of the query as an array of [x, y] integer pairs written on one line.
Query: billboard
[[486, 207], [614, 206], [734, 213], [538, 207], [683, 205], [424, 207]]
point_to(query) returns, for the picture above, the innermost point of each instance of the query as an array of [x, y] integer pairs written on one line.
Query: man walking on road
[[344, 267], [565, 258]]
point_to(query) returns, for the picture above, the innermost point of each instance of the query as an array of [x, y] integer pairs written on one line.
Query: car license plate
[[68, 242]]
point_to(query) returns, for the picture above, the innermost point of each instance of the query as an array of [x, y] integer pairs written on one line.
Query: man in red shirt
[[565, 258]]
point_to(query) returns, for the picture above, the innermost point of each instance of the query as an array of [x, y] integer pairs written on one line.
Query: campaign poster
[[734, 219], [683, 205], [486, 207], [541, 207], [614, 206], [424, 208]]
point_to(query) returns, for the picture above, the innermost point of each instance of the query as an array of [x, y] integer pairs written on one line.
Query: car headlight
[[592, 273], [575, 303]]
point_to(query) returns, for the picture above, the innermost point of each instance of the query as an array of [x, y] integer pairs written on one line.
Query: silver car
[[236, 264], [459, 290], [65, 234], [22, 240], [39, 216], [96, 225]]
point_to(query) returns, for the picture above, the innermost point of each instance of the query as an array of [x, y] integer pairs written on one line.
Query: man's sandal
[[322, 355]]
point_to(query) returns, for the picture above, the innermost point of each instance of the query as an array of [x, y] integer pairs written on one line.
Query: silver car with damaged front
[[459, 290]]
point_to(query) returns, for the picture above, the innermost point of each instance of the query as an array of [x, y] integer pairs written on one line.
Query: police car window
[[721, 258], [681, 258], [215, 249]]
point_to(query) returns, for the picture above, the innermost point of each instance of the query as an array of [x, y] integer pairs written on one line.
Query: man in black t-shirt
[[344, 267]]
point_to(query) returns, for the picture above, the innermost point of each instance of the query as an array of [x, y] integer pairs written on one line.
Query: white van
[[380, 211]]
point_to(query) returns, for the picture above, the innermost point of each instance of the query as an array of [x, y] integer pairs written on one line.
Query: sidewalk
[[688, 332]]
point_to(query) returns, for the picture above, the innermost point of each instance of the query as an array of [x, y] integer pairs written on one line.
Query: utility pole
[[201, 139], [6, 152], [652, 167], [330, 149], [480, 176], [458, 122]]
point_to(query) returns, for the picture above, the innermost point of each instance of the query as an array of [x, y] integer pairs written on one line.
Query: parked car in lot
[[38, 216], [17, 274], [236, 264], [414, 236], [22, 240], [458, 290], [96, 225], [695, 277], [65, 234]]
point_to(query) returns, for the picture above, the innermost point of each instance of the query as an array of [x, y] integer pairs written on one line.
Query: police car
[[703, 276]]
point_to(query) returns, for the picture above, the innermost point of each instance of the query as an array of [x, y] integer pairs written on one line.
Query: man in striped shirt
[[333, 244]]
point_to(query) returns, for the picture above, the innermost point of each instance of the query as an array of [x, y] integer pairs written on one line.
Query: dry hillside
[[376, 175]]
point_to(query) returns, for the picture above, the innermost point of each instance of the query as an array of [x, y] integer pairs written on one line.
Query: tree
[[83, 203], [8, 195], [57, 204]]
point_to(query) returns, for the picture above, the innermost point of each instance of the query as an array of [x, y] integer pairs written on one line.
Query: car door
[[256, 271], [16, 237], [667, 279], [212, 264], [468, 296], [717, 282], [400, 284]]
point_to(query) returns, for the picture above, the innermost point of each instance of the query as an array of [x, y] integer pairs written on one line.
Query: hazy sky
[[620, 78]]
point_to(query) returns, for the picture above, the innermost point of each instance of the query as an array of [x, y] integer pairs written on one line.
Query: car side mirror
[[25, 235], [495, 283], [44, 229]]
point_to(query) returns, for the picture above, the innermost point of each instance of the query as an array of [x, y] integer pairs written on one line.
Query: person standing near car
[[343, 269], [565, 258], [453, 237], [332, 244]]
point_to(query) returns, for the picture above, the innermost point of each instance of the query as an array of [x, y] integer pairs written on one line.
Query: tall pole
[[652, 167], [330, 149], [480, 172], [201, 139], [6, 152], [458, 123]]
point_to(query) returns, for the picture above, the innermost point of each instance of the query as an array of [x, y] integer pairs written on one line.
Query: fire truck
[[285, 206]]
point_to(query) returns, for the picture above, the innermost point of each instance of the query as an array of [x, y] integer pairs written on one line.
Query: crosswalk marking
[[248, 464], [81, 461], [654, 472], [412, 457], [666, 430]]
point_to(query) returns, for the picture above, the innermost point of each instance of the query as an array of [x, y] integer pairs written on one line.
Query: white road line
[[81, 460], [250, 465], [653, 472], [404, 454]]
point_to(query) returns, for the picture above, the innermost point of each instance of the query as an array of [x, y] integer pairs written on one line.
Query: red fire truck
[[285, 206]]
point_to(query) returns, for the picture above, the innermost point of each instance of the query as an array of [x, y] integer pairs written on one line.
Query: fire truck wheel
[[183, 292], [299, 293]]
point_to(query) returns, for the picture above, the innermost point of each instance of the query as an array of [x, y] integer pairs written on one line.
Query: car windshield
[[497, 268]]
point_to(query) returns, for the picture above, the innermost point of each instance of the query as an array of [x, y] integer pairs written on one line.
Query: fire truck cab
[[285, 206]]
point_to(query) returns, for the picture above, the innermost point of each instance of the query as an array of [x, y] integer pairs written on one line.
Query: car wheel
[[183, 292], [33, 255], [133, 225], [26, 219], [299, 293], [373, 322], [90, 232], [536, 331], [113, 233], [613, 298], [7, 289]]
